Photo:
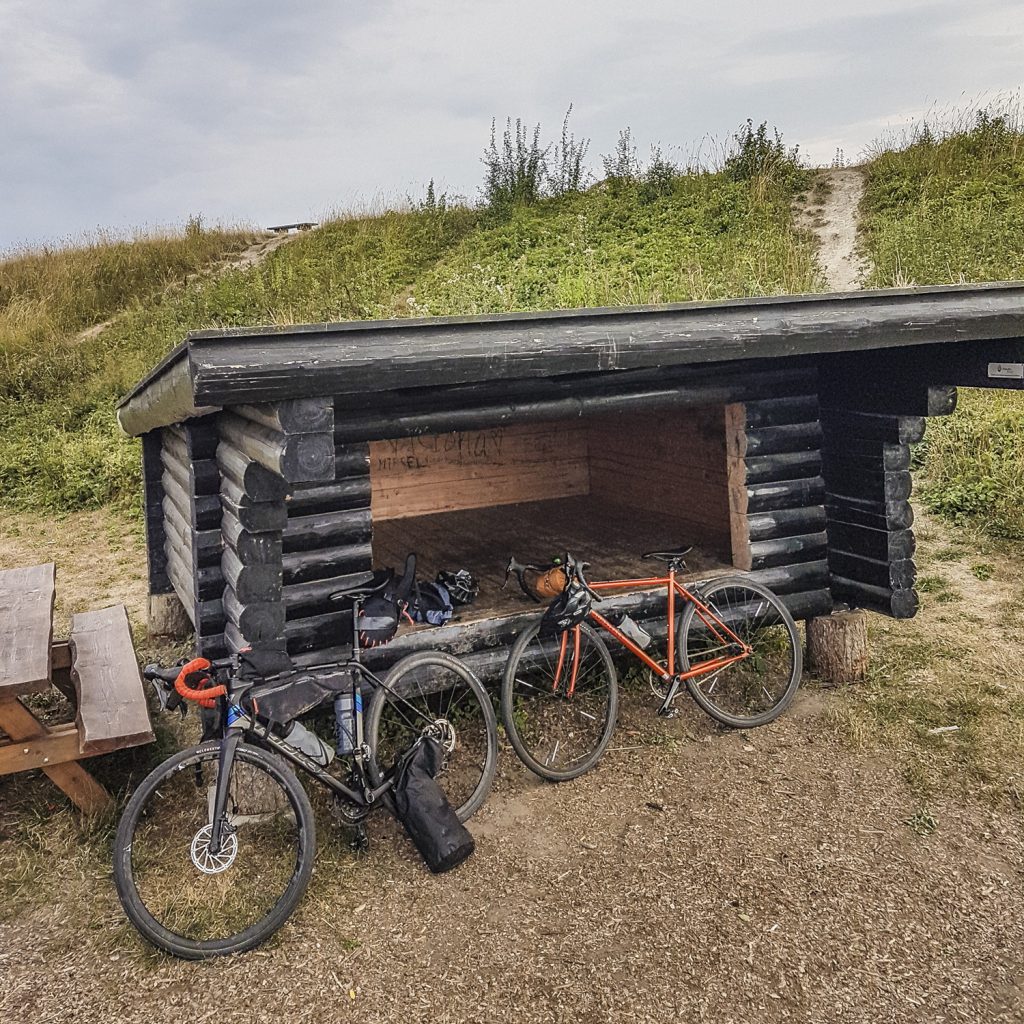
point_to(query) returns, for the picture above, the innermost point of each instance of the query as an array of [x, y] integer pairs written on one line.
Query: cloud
[[122, 115]]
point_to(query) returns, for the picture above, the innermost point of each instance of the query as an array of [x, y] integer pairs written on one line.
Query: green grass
[[708, 236], [945, 206]]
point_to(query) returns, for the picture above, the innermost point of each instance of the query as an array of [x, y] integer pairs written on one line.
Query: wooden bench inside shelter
[[95, 668]]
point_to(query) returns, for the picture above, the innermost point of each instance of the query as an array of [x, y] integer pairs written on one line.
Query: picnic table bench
[[95, 668]]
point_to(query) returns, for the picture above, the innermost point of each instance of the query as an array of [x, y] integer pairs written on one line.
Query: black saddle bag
[[421, 806]]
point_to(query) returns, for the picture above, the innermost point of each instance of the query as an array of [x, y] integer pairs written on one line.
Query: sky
[[118, 115]]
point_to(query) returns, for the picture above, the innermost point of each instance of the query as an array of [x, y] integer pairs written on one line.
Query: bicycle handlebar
[[574, 572]]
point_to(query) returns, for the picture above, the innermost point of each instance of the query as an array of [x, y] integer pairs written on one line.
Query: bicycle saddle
[[369, 583], [667, 556]]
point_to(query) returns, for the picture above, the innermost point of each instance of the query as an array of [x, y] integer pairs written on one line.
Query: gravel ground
[[694, 875]]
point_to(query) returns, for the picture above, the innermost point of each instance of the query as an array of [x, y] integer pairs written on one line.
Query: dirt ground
[[696, 874], [830, 212]]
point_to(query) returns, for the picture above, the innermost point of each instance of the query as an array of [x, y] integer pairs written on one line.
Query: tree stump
[[167, 616], [837, 647]]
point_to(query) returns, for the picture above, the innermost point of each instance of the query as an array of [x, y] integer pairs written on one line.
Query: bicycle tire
[[509, 712], [689, 625], [125, 877], [399, 678]]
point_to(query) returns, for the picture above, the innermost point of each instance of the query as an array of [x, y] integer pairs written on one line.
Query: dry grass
[[955, 667]]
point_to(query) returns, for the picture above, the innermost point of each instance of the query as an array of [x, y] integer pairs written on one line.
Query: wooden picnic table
[[95, 668]]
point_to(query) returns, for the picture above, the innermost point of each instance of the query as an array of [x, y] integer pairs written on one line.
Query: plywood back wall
[[672, 461], [414, 476]]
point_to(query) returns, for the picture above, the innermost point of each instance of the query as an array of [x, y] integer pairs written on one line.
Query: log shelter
[[773, 434]]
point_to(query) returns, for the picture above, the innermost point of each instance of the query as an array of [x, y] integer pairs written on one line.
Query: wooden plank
[[785, 494], [31, 746], [897, 574], [321, 563], [735, 445], [255, 366], [112, 712], [26, 628], [499, 466], [766, 554]]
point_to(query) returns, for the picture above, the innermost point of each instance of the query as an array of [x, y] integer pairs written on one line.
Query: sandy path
[[834, 221]]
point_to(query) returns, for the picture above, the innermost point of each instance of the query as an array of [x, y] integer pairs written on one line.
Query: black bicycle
[[216, 846]]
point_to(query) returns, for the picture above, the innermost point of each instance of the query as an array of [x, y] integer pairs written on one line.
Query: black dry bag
[[421, 806]]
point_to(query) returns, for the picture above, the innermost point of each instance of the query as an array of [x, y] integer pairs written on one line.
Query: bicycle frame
[[675, 589]]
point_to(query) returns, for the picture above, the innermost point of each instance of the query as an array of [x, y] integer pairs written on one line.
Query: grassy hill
[[948, 206], [941, 206], [693, 236]]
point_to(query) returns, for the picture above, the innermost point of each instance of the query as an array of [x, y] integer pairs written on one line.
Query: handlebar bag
[[421, 806]]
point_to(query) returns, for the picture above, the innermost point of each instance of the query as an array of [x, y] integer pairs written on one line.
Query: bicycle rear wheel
[[196, 904], [559, 700], [757, 689], [431, 693]]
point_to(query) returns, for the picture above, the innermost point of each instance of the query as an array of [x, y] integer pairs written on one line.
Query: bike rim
[[206, 897], [561, 730], [436, 700], [758, 683]]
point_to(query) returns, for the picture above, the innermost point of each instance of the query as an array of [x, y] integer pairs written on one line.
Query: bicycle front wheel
[[559, 700], [195, 903], [434, 694], [753, 690]]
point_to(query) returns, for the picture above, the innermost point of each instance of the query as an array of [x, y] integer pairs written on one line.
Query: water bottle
[[635, 632], [345, 721], [299, 737]]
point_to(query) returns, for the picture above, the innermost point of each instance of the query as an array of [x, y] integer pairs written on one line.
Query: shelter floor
[[610, 537]]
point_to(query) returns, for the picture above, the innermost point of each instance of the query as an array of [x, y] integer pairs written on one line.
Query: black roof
[[249, 365]]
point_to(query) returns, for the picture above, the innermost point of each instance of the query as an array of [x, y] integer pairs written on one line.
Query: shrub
[[515, 171], [762, 158]]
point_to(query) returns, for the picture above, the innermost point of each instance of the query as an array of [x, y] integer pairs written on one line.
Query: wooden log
[[896, 575], [785, 494], [153, 498], [904, 396], [234, 641], [314, 632], [295, 416], [885, 545], [878, 456], [304, 566], [206, 544], [787, 466], [791, 579], [351, 460], [250, 478], [251, 583], [315, 597], [880, 515], [251, 547], [891, 429], [207, 506], [327, 529], [200, 435], [787, 550], [779, 412], [257, 621], [350, 493], [205, 474], [796, 437], [837, 647], [167, 616], [184, 586], [254, 516], [898, 604], [297, 457], [845, 479], [790, 522]]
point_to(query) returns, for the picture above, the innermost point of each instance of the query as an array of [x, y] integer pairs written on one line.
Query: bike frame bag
[[421, 806]]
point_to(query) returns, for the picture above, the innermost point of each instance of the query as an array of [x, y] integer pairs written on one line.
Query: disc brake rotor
[[213, 863]]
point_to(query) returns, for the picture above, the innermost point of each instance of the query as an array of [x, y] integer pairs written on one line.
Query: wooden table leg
[[80, 787]]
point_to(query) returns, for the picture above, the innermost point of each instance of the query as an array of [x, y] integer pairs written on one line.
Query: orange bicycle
[[731, 641]]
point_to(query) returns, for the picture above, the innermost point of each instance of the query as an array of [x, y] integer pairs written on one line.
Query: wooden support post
[[167, 616], [837, 647]]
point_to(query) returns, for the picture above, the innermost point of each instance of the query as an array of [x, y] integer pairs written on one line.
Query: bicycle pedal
[[664, 712], [360, 842]]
